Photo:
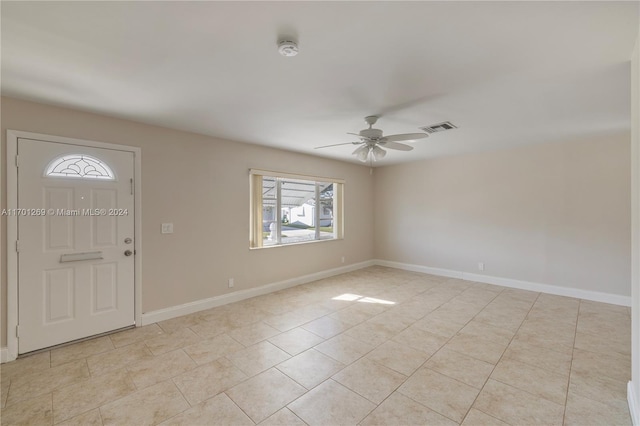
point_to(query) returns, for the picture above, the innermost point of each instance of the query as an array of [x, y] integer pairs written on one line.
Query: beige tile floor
[[377, 346]]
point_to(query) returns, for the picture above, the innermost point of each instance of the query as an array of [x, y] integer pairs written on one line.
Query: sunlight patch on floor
[[357, 298]]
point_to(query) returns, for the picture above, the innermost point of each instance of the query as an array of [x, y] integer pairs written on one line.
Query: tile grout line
[[438, 350], [100, 415], [52, 418], [538, 367], [291, 411], [182, 394], [573, 348], [496, 364], [423, 364], [596, 353], [234, 403]]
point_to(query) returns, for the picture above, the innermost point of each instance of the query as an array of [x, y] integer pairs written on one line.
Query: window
[[79, 166], [288, 209]]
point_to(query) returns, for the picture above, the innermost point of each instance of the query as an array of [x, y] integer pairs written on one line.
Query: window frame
[[256, 236]]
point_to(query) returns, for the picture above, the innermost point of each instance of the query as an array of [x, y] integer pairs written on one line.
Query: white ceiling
[[506, 73]]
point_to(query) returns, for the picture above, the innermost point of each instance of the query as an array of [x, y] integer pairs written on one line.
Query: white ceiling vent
[[440, 127]]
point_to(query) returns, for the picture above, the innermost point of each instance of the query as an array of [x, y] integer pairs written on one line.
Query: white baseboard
[[596, 296], [419, 268], [236, 296], [634, 404], [4, 355]]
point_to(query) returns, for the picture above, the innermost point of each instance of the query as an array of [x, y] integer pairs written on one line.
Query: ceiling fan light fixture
[[362, 153], [378, 153]]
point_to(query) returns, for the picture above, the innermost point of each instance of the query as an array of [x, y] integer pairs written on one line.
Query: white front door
[[75, 242]]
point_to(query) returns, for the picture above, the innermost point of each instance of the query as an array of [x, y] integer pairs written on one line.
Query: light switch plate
[[167, 228]]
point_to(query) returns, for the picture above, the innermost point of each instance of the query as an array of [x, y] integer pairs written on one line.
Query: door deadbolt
[[128, 240], [128, 253]]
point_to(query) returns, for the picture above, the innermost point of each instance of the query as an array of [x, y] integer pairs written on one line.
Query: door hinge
[[17, 246], [17, 162], [131, 182], [17, 331]]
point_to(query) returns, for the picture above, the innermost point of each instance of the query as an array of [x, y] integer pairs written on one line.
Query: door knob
[[128, 253]]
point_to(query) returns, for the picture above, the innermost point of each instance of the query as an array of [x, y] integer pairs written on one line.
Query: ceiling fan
[[372, 141]]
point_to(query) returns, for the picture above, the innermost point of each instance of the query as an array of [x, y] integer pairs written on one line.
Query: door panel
[[105, 228], [58, 229], [74, 279], [58, 295], [104, 280]]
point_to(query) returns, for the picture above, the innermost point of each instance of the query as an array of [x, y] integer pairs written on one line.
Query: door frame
[[12, 225]]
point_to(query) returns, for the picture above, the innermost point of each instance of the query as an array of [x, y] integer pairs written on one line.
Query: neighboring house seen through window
[[288, 209]]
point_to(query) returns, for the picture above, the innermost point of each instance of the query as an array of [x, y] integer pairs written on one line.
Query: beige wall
[[555, 214], [201, 184]]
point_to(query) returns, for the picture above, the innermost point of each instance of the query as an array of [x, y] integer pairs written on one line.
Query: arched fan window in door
[[79, 166]]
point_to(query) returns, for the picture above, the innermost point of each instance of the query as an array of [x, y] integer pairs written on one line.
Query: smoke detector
[[288, 48]]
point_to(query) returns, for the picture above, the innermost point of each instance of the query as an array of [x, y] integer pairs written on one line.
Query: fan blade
[[358, 135], [338, 144], [396, 145], [406, 137]]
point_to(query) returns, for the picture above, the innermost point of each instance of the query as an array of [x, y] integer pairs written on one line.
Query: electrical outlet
[[480, 266], [342, 259], [230, 282], [167, 228]]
